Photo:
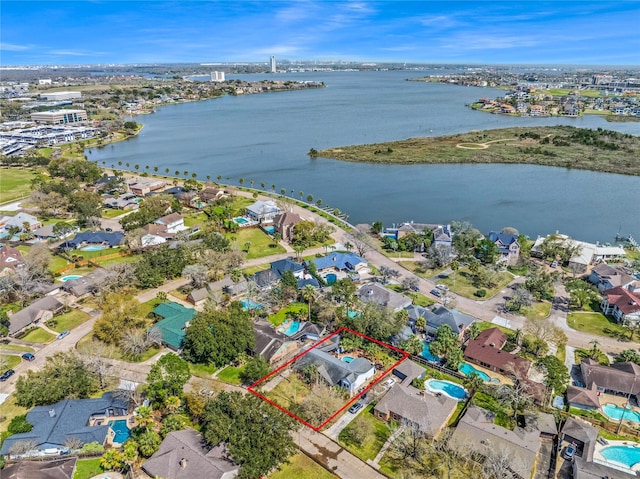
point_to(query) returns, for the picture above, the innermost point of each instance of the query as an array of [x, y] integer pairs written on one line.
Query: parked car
[[356, 407], [389, 382], [435, 292], [28, 357], [442, 287], [63, 334], [7, 374], [569, 452], [554, 264]]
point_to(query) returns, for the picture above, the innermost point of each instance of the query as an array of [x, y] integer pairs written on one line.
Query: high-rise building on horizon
[[272, 62]]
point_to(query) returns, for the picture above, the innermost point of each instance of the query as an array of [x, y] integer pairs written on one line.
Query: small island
[[563, 146]]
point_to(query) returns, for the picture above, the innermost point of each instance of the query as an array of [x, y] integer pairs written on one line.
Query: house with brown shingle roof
[[10, 259], [583, 398], [284, 224], [606, 277], [486, 351], [622, 304], [583, 434], [211, 193], [477, 432], [618, 378], [184, 455]]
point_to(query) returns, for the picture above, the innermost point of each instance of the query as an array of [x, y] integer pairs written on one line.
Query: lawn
[[147, 308], [231, 375], [482, 325], [370, 447], [254, 269], [301, 467], [87, 343], [86, 468], [11, 361], [15, 183], [419, 299], [290, 390], [416, 268], [16, 347], [56, 263], [202, 370], [96, 254], [130, 258], [10, 410], [462, 283], [38, 335], [538, 310], [596, 323], [195, 220], [261, 243], [69, 320], [111, 213], [297, 310]]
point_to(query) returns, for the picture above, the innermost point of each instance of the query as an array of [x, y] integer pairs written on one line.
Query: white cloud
[[12, 47]]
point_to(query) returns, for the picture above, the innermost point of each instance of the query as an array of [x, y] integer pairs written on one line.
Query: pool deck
[[618, 401], [492, 374], [597, 455]]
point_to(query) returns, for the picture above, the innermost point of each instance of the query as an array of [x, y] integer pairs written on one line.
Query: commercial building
[[272, 64], [61, 95], [59, 116]]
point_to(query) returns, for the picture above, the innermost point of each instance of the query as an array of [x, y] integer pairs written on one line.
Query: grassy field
[[147, 307], [416, 268], [300, 310], [461, 283], [56, 263], [10, 410], [419, 299], [202, 370], [111, 213], [567, 91], [301, 467], [509, 145], [131, 258], [261, 243], [15, 183], [231, 375], [38, 335], [87, 468], [538, 310], [482, 325], [370, 447], [11, 361], [595, 323], [290, 390], [87, 344], [15, 347], [195, 220], [69, 320]]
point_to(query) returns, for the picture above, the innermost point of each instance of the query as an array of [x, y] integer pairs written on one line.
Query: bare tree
[[362, 243], [73, 443], [500, 463], [197, 273], [388, 273], [134, 342], [118, 276], [133, 239], [320, 404], [411, 282], [22, 447], [438, 256], [96, 356], [545, 330]]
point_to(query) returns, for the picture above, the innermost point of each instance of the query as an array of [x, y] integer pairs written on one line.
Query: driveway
[[343, 421]]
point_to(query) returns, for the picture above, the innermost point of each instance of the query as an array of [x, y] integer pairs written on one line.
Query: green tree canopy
[[167, 378], [219, 337], [556, 375]]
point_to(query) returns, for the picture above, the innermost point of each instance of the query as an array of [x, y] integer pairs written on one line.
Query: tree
[[421, 323], [582, 293], [308, 293], [170, 424], [413, 345], [197, 273], [447, 344], [320, 403], [556, 375], [362, 243], [112, 460], [388, 273], [19, 424], [376, 227], [515, 396], [540, 283], [376, 322], [130, 452], [358, 431], [257, 435], [219, 337], [65, 375], [148, 441], [121, 312], [521, 298], [256, 368], [472, 330], [473, 383], [167, 378], [487, 251]]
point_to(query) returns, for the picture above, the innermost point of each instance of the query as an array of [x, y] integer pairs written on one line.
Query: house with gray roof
[[226, 285], [59, 468], [37, 312], [185, 455], [583, 398], [618, 378], [263, 211], [88, 284], [386, 298], [508, 247], [336, 372], [606, 277], [83, 419], [348, 262], [19, 220], [457, 321], [597, 470], [477, 432], [583, 434], [98, 238], [271, 344]]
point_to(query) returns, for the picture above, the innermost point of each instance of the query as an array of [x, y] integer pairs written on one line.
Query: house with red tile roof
[[621, 303], [486, 351]]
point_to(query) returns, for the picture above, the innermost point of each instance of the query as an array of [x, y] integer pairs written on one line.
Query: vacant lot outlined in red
[[252, 388]]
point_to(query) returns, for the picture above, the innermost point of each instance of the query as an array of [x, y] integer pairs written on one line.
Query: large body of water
[[265, 138]]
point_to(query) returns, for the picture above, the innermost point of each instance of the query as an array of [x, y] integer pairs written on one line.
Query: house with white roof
[[263, 211]]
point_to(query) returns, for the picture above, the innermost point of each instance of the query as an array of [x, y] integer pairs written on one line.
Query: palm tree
[[473, 383], [155, 169], [172, 403], [473, 330], [309, 295], [219, 177], [185, 173], [309, 198], [319, 202], [262, 185], [208, 177], [283, 191], [594, 352], [301, 195], [251, 183], [421, 323], [166, 170], [241, 181], [144, 416], [273, 187], [455, 266], [177, 173]]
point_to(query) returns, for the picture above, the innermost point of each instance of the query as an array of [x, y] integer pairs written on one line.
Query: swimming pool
[[331, 278], [122, 431], [426, 353], [467, 370], [249, 304], [452, 390], [92, 248], [347, 359], [615, 412], [289, 327], [70, 277], [627, 455], [240, 220], [269, 229]]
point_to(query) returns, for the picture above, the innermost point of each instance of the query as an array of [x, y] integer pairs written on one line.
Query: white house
[[263, 211], [173, 222], [623, 304]]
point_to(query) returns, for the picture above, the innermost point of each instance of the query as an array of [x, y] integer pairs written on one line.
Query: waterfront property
[[54, 425], [59, 117], [284, 224], [623, 303], [508, 247], [263, 211], [606, 277]]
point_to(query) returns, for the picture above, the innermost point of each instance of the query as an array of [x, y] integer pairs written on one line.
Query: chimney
[[52, 413], [183, 463]]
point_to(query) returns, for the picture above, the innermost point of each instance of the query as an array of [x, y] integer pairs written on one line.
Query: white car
[[389, 382], [442, 287]]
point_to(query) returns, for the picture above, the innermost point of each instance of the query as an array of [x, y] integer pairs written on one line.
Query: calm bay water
[[265, 138]]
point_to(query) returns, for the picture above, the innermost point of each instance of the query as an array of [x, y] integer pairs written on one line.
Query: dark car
[[356, 407], [569, 452], [436, 292], [28, 357], [63, 334], [7, 374]]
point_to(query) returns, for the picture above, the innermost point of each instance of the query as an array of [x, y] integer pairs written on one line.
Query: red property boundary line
[[252, 390]]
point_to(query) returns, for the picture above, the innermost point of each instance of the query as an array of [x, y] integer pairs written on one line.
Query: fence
[[91, 261], [437, 367]]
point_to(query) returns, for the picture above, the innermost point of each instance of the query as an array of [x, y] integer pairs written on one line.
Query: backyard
[[87, 468], [597, 323], [261, 244], [295, 310], [301, 467], [231, 375], [68, 320]]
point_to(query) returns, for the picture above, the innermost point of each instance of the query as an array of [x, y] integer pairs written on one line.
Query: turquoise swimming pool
[[452, 390], [467, 370], [69, 277], [331, 278], [249, 304], [615, 412], [347, 359], [121, 429], [289, 327], [93, 248], [627, 455], [240, 220], [426, 353]]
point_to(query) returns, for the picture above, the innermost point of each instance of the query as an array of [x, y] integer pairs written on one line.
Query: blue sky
[[114, 31]]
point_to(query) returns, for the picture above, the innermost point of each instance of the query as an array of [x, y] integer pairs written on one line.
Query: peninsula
[[563, 146]]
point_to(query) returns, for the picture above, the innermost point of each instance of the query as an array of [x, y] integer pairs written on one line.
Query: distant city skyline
[[492, 32]]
